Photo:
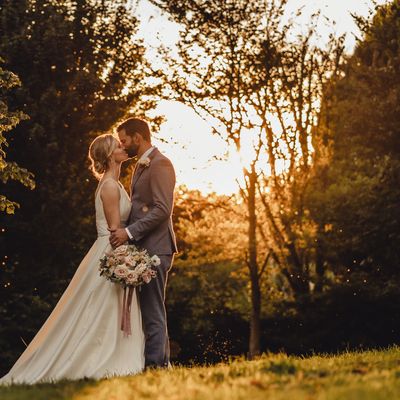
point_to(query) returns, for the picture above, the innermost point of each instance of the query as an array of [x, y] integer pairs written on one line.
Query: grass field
[[354, 376]]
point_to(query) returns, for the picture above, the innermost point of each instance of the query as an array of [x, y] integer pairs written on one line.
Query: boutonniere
[[145, 162]]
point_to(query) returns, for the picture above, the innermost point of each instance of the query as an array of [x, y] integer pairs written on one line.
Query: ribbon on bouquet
[[126, 311]]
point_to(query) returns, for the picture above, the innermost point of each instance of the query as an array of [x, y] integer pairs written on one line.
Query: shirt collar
[[147, 153]]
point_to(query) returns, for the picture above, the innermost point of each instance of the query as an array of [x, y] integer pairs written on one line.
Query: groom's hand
[[118, 237]]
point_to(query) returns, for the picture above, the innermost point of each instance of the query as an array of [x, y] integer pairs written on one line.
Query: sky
[[191, 146]]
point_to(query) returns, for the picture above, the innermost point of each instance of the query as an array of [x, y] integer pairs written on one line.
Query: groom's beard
[[132, 151]]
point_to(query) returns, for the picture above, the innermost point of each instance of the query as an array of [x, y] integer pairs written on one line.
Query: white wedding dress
[[82, 336]]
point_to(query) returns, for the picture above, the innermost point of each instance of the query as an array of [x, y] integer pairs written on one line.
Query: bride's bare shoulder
[[110, 189]]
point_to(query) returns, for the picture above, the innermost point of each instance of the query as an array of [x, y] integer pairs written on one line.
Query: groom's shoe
[[153, 366]]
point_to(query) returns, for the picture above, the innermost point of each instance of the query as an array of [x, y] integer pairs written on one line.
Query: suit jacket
[[152, 196]]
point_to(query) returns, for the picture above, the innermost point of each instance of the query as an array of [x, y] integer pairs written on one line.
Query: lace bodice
[[124, 208]]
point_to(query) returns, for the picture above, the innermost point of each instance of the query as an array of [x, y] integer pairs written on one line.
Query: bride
[[82, 337]]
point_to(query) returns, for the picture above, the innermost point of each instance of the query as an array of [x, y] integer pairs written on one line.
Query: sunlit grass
[[354, 376]]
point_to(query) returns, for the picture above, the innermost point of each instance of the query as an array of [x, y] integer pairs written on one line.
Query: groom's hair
[[136, 125]]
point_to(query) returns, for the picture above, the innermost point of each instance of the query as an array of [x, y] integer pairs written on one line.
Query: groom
[[150, 227]]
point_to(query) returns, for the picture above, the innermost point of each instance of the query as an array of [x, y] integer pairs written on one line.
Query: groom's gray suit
[[150, 225]]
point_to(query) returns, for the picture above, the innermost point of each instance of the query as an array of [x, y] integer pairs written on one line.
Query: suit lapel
[[138, 171], [133, 177], [140, 168]]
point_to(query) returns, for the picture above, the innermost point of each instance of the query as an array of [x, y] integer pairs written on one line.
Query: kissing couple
[[82, 337]]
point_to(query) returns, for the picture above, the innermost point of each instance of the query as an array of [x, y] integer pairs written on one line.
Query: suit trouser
[[154, 317]]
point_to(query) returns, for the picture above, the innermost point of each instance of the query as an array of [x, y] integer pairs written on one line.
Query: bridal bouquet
[[130, 267]]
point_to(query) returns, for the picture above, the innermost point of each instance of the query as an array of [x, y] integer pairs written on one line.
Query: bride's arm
[[110, 195]]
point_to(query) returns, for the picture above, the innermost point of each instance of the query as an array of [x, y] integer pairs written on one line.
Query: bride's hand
[[118, 237]]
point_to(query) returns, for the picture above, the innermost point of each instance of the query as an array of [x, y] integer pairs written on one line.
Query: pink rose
[[131, 278], [121, 250], [130, 261], [121, 271]]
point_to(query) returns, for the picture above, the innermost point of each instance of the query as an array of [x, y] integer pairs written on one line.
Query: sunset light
[[200, 199], [202, 159]]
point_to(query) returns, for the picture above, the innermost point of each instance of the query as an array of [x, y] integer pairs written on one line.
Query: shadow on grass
[[61, 390]]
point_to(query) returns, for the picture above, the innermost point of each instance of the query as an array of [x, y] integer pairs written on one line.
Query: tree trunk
[[319, 267], [254, 343], [255, 334]]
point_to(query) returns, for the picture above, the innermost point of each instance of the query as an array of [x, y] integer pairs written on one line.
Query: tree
[[354, 196], [241, 67], [9, 119]]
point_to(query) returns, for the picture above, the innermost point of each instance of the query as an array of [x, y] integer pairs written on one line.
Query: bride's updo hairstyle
[[100, 151]]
